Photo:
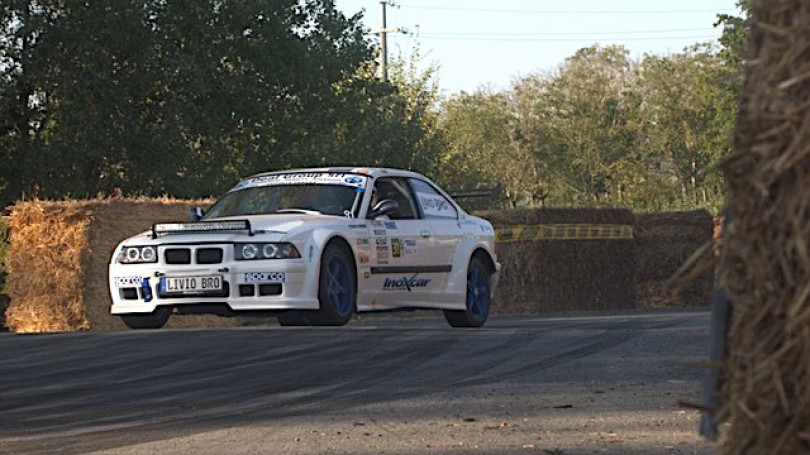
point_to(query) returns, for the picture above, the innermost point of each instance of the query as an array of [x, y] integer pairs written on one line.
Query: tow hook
[[146, 290]]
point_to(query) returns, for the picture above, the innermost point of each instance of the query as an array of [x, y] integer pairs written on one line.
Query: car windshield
[[313, 194]]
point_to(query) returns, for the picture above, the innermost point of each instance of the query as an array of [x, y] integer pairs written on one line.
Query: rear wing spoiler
[[461, 194]]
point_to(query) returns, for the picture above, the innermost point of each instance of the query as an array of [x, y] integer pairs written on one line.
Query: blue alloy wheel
[[477, 293], [477, 300], [339, 285], [337, 291]]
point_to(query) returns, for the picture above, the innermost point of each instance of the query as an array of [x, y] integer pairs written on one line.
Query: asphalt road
[[587, 383]]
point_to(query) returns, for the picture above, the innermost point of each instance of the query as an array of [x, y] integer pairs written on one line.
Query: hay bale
[[766, 392], [58, 260], [560, 275], [44, 266], [665, 241]]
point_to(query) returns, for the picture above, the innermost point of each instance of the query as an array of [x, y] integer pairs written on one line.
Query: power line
[[581, 12], [615, 32], [427, 36]]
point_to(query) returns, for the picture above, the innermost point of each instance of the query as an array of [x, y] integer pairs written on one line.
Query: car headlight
[[137, 255], [248, 251]]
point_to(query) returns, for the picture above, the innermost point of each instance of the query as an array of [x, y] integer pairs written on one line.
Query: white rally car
[[313, 246]]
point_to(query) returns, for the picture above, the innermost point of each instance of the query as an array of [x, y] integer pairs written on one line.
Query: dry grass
[[766, 263]]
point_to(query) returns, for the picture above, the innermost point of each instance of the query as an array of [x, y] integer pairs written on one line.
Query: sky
[[486, 43]]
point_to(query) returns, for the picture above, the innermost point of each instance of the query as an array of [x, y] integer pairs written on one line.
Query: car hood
[[270, 227], [284, 223]]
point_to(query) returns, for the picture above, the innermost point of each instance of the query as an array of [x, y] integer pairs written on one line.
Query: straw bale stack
[[58, 260], [665, 241], [44, 266], [560, 275], [766, 263]]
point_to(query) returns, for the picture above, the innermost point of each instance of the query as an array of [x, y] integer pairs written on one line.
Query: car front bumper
[[243, 286]]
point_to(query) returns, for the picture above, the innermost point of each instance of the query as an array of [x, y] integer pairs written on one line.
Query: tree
[[691, 113], [165, 96], [591, 108], [370, 122], [734, 38], [475, 128]]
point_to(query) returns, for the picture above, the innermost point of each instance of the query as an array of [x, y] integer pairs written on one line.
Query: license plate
[[191, 284]]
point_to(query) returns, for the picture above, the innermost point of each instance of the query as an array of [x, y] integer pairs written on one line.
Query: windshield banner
[[304, 178]]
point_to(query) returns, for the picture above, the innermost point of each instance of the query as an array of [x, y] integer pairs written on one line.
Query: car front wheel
[[477, 300], [337, 286], [337, 292]]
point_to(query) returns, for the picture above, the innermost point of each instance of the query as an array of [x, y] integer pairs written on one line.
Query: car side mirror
[[384, 207], [195, 213]]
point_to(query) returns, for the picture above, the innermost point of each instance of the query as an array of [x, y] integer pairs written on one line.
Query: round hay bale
[[766, 391]]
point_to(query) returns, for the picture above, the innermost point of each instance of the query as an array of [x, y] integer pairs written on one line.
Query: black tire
[[153, 320], [478, 298], [337, 287]]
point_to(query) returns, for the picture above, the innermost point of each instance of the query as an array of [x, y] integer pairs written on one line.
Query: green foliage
[[603, 130], [174, 98], [734, 38], [375, 123], [166, 97]]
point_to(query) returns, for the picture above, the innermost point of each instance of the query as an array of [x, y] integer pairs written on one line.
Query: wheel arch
[[483, 255]]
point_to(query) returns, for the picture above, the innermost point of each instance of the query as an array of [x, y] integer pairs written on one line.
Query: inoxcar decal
[[405, 283]]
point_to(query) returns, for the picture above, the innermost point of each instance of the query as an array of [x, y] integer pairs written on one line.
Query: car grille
[[209, 255], [201, 256]]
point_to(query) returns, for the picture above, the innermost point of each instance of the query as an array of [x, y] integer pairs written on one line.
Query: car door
[[401, 270], [440, 217]]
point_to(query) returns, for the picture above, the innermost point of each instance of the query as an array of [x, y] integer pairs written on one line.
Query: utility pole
[[384, 31], [384, 44]]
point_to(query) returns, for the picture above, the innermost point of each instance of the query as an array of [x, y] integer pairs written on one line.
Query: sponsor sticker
[[403, 247], [265, 277], [127, 281], [405, 283], [298, 178], [435, 205]]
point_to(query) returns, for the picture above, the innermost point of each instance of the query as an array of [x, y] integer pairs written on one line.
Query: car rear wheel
[[153, 320], [478, 298]]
